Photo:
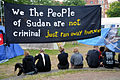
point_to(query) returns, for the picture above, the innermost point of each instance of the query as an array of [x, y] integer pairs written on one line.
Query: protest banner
[[46, 24]]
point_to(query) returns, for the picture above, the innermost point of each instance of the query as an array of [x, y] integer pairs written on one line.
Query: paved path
[[88, 75]]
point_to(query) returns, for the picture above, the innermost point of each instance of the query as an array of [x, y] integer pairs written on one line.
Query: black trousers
[[78, 66], [63, 66], [20, 67]]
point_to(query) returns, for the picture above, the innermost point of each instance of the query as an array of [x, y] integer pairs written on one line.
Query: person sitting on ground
[[27, 66], [108, 58], [93, 58], [119, 60], [63, 59], [119, 57], [43, 63], [101, 50], [76, 59]]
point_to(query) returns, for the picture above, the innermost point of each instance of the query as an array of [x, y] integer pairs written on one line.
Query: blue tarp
[[96, 41], [115, 47], [7, 52], [2, 29], [100, 41], [10, 52]]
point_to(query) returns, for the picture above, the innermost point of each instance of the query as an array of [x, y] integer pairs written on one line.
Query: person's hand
[[36, 54]]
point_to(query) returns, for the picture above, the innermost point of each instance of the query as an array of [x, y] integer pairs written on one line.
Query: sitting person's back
[[27, 66], [44, 63], [108, 58], [76, 59], [119, 57], [93, 58], [63, 59]]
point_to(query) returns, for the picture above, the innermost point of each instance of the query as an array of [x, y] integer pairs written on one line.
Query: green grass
[[52, 52], [49, 52], [72, 45], [13, 60]]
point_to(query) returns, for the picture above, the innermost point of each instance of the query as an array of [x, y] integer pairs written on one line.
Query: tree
[[73, 2], [114, 10], [19, 1], [49, 2]]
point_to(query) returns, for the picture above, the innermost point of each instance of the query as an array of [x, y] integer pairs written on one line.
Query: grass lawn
[[7, 68]]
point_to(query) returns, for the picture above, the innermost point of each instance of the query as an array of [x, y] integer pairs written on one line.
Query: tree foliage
[[73, 2], [49, 2], [114, 10], [34, 2]]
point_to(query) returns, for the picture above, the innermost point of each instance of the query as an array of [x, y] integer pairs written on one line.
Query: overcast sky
[[109, 1]]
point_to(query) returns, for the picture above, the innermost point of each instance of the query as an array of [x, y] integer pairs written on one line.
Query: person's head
[[96, 47], [75, 50], [41, 51], [61, 49], [26, 53], [106, 49], [102, 49]]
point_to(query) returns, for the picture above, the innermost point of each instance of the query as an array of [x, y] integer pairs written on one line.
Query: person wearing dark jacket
[[101, 50], [43, 64], [28, 63], [108, 58], [63, 59], [93, 58], [27, 66]]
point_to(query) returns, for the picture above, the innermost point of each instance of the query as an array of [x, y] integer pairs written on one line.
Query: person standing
[[76, 59], [43, 64], [63, 59]]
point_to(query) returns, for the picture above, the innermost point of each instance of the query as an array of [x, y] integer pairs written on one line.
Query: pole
[[1, 12]]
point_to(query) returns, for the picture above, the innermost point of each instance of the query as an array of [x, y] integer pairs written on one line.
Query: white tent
[[108, 22]]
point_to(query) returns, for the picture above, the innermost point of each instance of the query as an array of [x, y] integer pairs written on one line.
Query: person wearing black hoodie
[[63, 59], [108, 58], [43, 63], [93, 58], [28, 63], [27, 66]]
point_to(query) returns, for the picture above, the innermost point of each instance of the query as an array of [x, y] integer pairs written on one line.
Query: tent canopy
[[7, 52], [2, 29], [111, 20], [101, 41], [96, 41]]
